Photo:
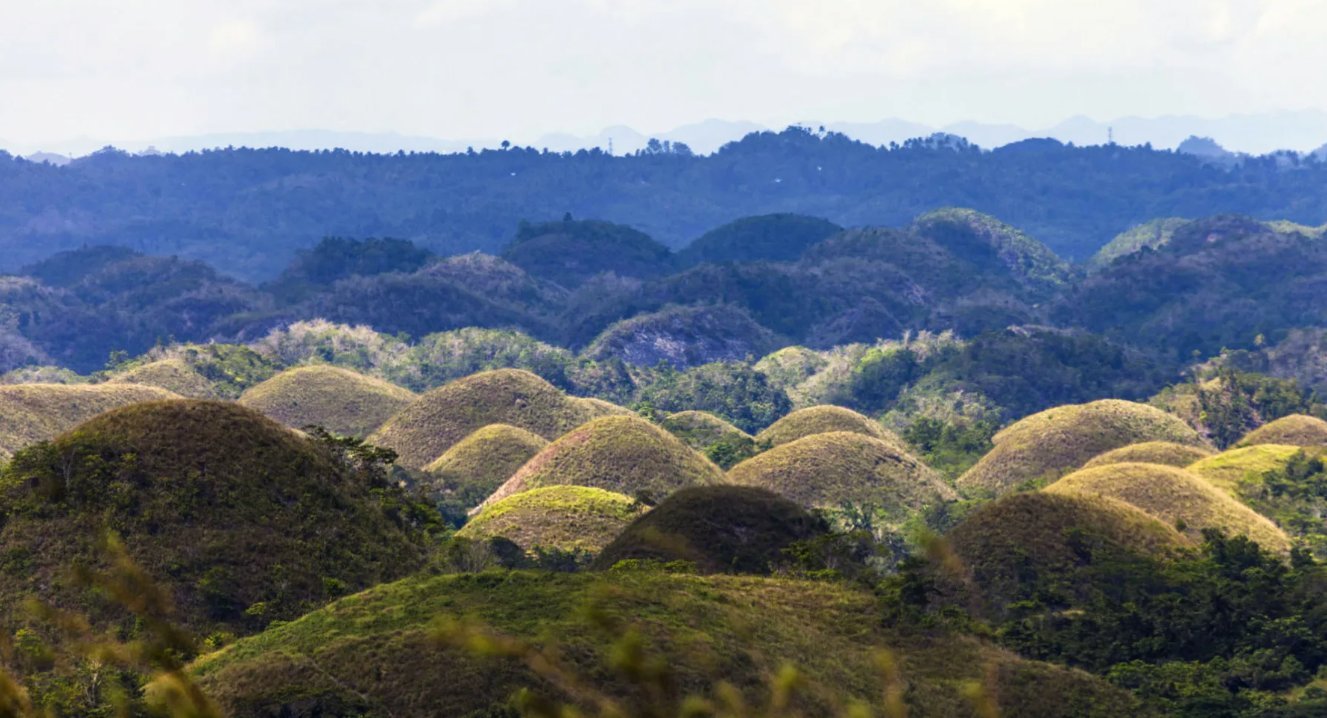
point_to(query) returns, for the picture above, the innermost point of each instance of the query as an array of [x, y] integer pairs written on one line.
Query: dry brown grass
[[476, 466], [30, 413], [1040, 448], [625, 454], [1175, 496], [1166, 453], [1293, 430], [822, 420], [827, 470], [173, 374], [339, 400]]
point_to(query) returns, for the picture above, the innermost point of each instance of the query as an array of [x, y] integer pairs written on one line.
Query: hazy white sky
[[520, 68]]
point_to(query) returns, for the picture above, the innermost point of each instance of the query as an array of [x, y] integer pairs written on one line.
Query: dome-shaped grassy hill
[[1042, 534], [722, 442], [567, 518], [439, 418], [822, 420], [173, 374], [626, 454], [1046, 445], [1226, 469], [720, 529], [1176, 497], [770, 237], [339, 400], [1293, 430], [684, 337], [570, 252], [240, 518], [1167, 453], [477, 465], [825, 470], [30, 413], [376, 653], [790, 366]]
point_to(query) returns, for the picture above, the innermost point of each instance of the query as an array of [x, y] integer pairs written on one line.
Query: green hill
[[719, 529], [341, 401], [1150, 235], [822, 420], [439, 418], [976, 237], [770, 237], [569, 252], [566, 518], [1175, 496], [720, 441], [1041, 534], [1049, 444], [626, 454], [173, 374], [242, 520], [474, 467], [827, 470], [30, 413], [1226, 469], [375, 654], [683, 337], [1293, 430], [1167, 453]]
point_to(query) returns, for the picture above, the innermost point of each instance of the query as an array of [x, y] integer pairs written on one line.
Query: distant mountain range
[[1301, 131]]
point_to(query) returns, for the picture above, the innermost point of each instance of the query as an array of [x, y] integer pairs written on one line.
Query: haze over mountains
[[1300, 131]]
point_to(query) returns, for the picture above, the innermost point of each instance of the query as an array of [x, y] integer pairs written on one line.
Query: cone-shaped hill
[[1175, 496], [822, 420], [376, 653], [1228, 468], [770, 237], [569, 252], [1044, 534], [1049, 444], [721, 441], [173, 374], [825, 470], [1167, 453], [567, 518], [439, 418], [626, 454], [478, 464], [339, 400], [720, 529], [240, 518], [30, 413], [1293, 430]]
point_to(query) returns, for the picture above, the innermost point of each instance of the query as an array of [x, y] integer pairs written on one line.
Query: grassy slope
[[481, 462], [824, 470], [1167, 453], [372, 651], [36, 412], [700, 429], [173, 374], [1174, 496], [1153, 234], [625, 454], [340, 400], [441, 417], [821, 420], [1226, 469], [223, 506], [1049, 444], [1295, 430], [569, 518]]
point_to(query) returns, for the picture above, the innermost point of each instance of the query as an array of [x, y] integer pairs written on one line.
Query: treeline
[[247, 211]]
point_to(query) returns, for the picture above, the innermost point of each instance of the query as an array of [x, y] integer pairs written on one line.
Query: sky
[[459, 69]]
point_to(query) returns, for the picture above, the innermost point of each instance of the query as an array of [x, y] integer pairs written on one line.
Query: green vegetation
[[716, 529], [336, 399], [625, 454], [570, 252], [1047, 445], [837, 468], [771, 237], [733, 391], [337, 258], [1287, 484], [683, 337], [718, 440], [30, 413], [1293, 430], [440, 418], [1177, 497], [822, 420], [1166, 453], [377, 654], [228, 368], [1226, 469], [569, 519], [1148, 235], [474, 467]]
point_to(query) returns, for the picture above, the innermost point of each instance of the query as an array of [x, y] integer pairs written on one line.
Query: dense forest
[[247, 211]]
